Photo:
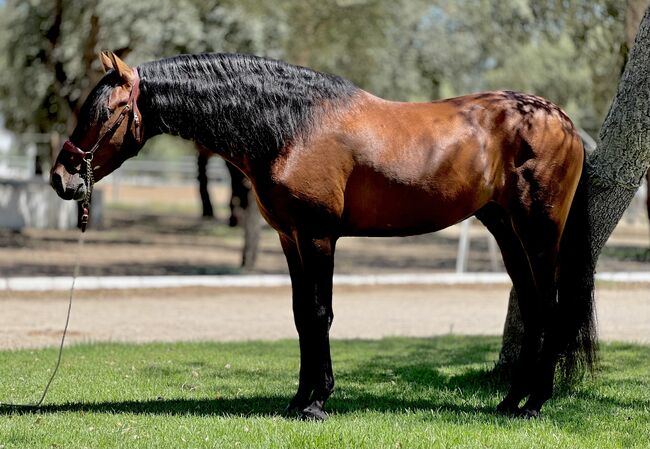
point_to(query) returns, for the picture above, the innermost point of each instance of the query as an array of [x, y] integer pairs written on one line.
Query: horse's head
[[108, 132]]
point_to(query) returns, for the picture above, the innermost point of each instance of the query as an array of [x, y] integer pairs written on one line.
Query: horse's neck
[[243, 108], [168, 109], [236, 130]]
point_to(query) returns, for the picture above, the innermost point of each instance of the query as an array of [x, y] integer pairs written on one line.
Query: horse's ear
[[125, 72], [106, 61]]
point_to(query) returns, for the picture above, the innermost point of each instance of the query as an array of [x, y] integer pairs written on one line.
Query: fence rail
[[147, 171], [134, 171], [182, 170]]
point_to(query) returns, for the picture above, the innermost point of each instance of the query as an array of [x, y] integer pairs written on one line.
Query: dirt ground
[[157, 231], [36, 319]]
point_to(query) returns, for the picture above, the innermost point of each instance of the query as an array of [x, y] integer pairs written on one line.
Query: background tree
[[50, 49], [569, 51]]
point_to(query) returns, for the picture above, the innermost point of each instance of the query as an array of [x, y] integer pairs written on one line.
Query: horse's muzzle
[[68, 187]]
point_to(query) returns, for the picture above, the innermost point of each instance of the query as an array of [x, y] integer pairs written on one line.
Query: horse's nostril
[[56, 181]]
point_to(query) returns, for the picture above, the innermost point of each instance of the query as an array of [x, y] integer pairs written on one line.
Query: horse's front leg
[[311, 265]]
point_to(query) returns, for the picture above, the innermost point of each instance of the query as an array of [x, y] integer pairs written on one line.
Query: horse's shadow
[[420, 373], [259, 406], [347, 399], [273, 406]]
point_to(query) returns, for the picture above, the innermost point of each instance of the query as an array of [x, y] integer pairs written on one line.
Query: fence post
[[463, 247]]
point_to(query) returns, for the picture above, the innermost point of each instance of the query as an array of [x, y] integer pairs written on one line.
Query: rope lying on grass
[[38, 404]]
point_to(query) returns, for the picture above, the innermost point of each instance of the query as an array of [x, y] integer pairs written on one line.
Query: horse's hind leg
[[518, 266], [540, 235], [311, 266]]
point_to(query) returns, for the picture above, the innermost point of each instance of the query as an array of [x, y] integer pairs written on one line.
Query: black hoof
[[297, 405], [313, 413], [508, 409], [528, 413], [292, 411]]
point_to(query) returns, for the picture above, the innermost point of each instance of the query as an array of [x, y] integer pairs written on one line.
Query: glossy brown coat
[[388, 168]]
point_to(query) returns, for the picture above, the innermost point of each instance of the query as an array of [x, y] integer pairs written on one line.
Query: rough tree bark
[[633, 15], [614, 171]]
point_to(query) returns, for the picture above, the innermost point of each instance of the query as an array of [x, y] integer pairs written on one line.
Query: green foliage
[[398, 392], [566, 50], [549, 67]]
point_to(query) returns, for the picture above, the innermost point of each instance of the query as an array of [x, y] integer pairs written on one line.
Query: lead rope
[[75, 275]]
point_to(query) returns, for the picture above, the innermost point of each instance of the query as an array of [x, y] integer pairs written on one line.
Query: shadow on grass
[[449, 375], [420, 384], [263, 406]]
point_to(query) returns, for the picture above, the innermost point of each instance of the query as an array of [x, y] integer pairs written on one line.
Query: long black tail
[[578, 343]]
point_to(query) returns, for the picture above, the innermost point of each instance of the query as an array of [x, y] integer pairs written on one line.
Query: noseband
[[87, 156]]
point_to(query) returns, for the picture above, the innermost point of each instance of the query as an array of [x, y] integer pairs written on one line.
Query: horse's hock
[[33, 204]]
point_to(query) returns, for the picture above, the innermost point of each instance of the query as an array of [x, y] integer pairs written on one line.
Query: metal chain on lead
[[90, 181]]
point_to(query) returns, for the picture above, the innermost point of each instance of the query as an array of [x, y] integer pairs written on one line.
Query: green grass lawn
[[397, 392]]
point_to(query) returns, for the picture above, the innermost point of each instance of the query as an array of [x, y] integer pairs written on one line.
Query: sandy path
[[32, 320]]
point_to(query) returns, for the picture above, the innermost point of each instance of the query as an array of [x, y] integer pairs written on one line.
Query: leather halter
[[132, 104], [87, 156]]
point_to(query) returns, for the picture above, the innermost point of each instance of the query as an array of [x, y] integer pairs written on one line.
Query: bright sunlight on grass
[[397, 392]]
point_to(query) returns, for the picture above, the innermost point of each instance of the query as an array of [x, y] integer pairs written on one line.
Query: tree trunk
[[243, 206], [614, 171], [243, 210], [513, 333], [633, 15], [252, 232]]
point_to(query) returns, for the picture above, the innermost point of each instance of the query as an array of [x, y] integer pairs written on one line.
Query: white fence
[[33, 204], [145, 171], [179, 171], [133, 171]]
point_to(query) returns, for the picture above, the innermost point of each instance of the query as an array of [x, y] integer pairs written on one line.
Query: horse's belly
[[378, 206]]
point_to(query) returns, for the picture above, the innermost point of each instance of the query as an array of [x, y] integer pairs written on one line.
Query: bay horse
[[327, 159]]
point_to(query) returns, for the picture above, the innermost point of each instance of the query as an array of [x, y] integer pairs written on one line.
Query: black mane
[[234, 103]]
